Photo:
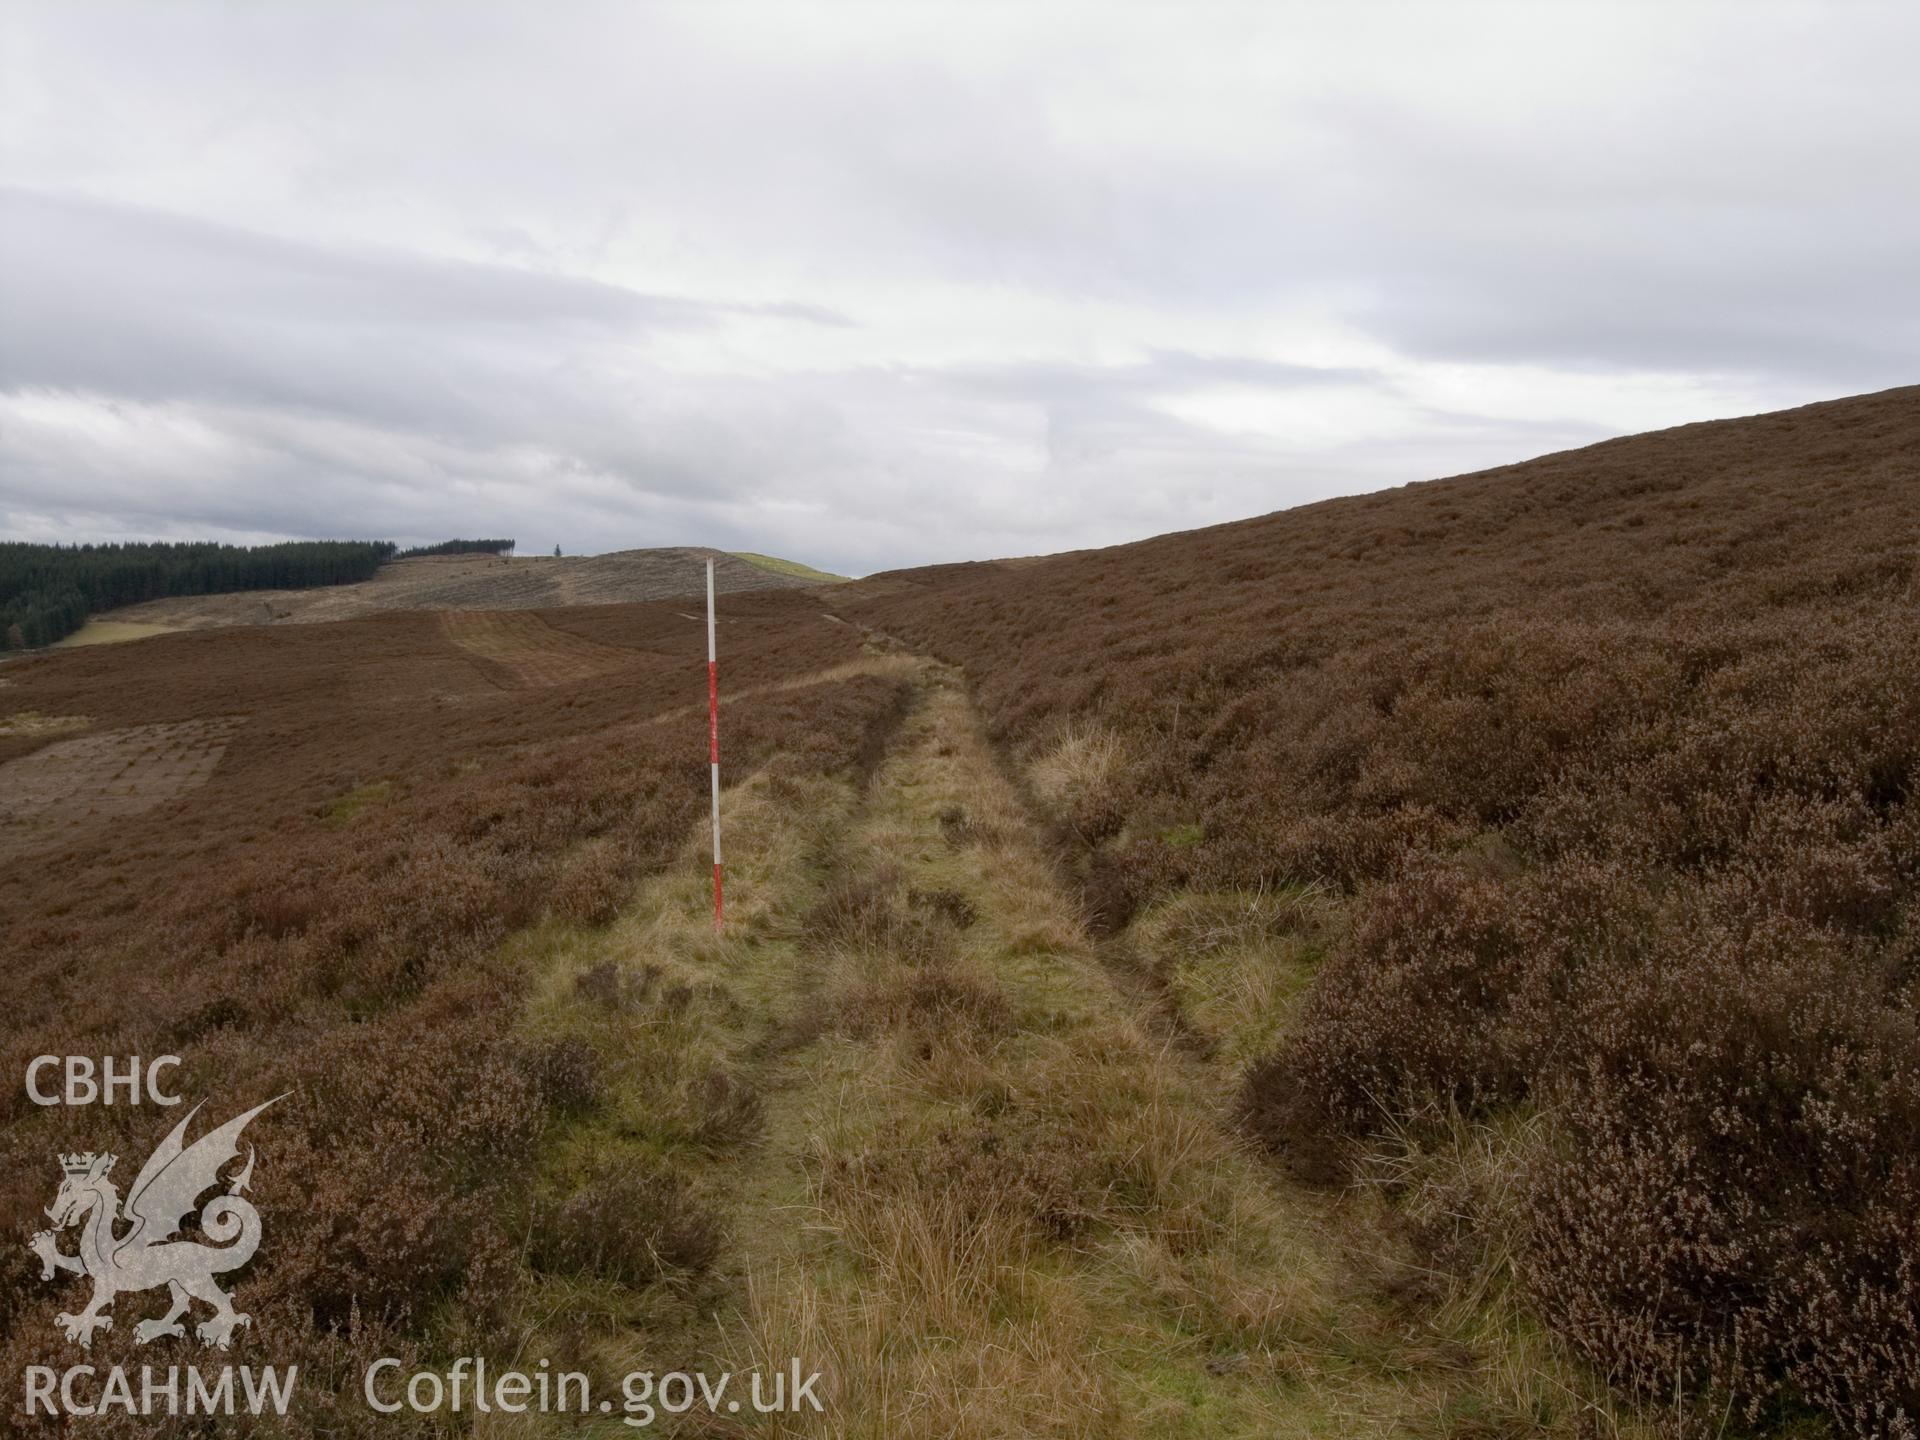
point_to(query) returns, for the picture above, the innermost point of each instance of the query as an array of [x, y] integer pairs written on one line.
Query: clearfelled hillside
[[1612, 756], [469, 581]]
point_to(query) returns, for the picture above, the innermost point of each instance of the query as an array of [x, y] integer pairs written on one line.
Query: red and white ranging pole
[[713, 743]]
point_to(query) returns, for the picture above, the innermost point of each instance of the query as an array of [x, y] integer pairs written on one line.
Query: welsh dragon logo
[[146, 1255]]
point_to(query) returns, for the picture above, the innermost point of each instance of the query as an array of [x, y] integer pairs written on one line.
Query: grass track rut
[[981, 1187]]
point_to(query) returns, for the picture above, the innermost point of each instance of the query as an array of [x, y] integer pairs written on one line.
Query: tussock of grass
[[1236, 963], [1080, 777]]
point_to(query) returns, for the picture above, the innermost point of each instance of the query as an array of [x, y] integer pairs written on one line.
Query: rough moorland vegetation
[[1528, 859], [322, 919], [1612, 756]]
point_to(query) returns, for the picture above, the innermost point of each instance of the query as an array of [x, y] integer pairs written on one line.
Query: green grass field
[[789, 567], [110, 632]]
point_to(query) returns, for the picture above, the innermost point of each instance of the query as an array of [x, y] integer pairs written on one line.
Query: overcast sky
[[873, 285]]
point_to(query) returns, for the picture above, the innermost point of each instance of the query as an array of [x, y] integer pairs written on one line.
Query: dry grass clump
[[1200, 923], [873, 915], [727, 1111], [1004, 1172], [1459, 1185], [660, 1077], [959, 828], [1081, 775], [1037, 1372], [1052, 1157], [1232, 965], [630, 1222], [946, 1003], [611, 986], [945, 904], [896, 964]]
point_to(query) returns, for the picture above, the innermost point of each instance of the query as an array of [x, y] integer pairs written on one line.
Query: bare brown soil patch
[[72, 784], [531, 651]]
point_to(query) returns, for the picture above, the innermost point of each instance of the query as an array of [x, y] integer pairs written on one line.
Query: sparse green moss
[[360, 798], [788, 567]]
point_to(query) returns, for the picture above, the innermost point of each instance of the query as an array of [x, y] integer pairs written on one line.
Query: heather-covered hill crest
[[1607, 764]]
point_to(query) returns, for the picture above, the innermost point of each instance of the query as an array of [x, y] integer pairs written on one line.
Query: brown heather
[[1614, 755], [321, 919], [1583, 789]]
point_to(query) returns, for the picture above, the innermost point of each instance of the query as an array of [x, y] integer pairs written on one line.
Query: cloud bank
[[874, 286]]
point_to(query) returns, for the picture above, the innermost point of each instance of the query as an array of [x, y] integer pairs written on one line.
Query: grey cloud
[[149, 305], [400, 393], [1160, 371], [158, 306], [121, 302], [876, 286]]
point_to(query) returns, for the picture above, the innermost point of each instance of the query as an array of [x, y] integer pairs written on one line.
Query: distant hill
[[791, 568], [487, 582]]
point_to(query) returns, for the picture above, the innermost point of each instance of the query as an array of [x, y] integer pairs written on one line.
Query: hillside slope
[[1332, 632], [1610, 760], [479, 582]]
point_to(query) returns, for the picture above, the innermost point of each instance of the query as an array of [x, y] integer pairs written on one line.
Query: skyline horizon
[[541, 549]]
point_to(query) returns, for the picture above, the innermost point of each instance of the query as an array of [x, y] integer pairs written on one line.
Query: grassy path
[[902, 1123]]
